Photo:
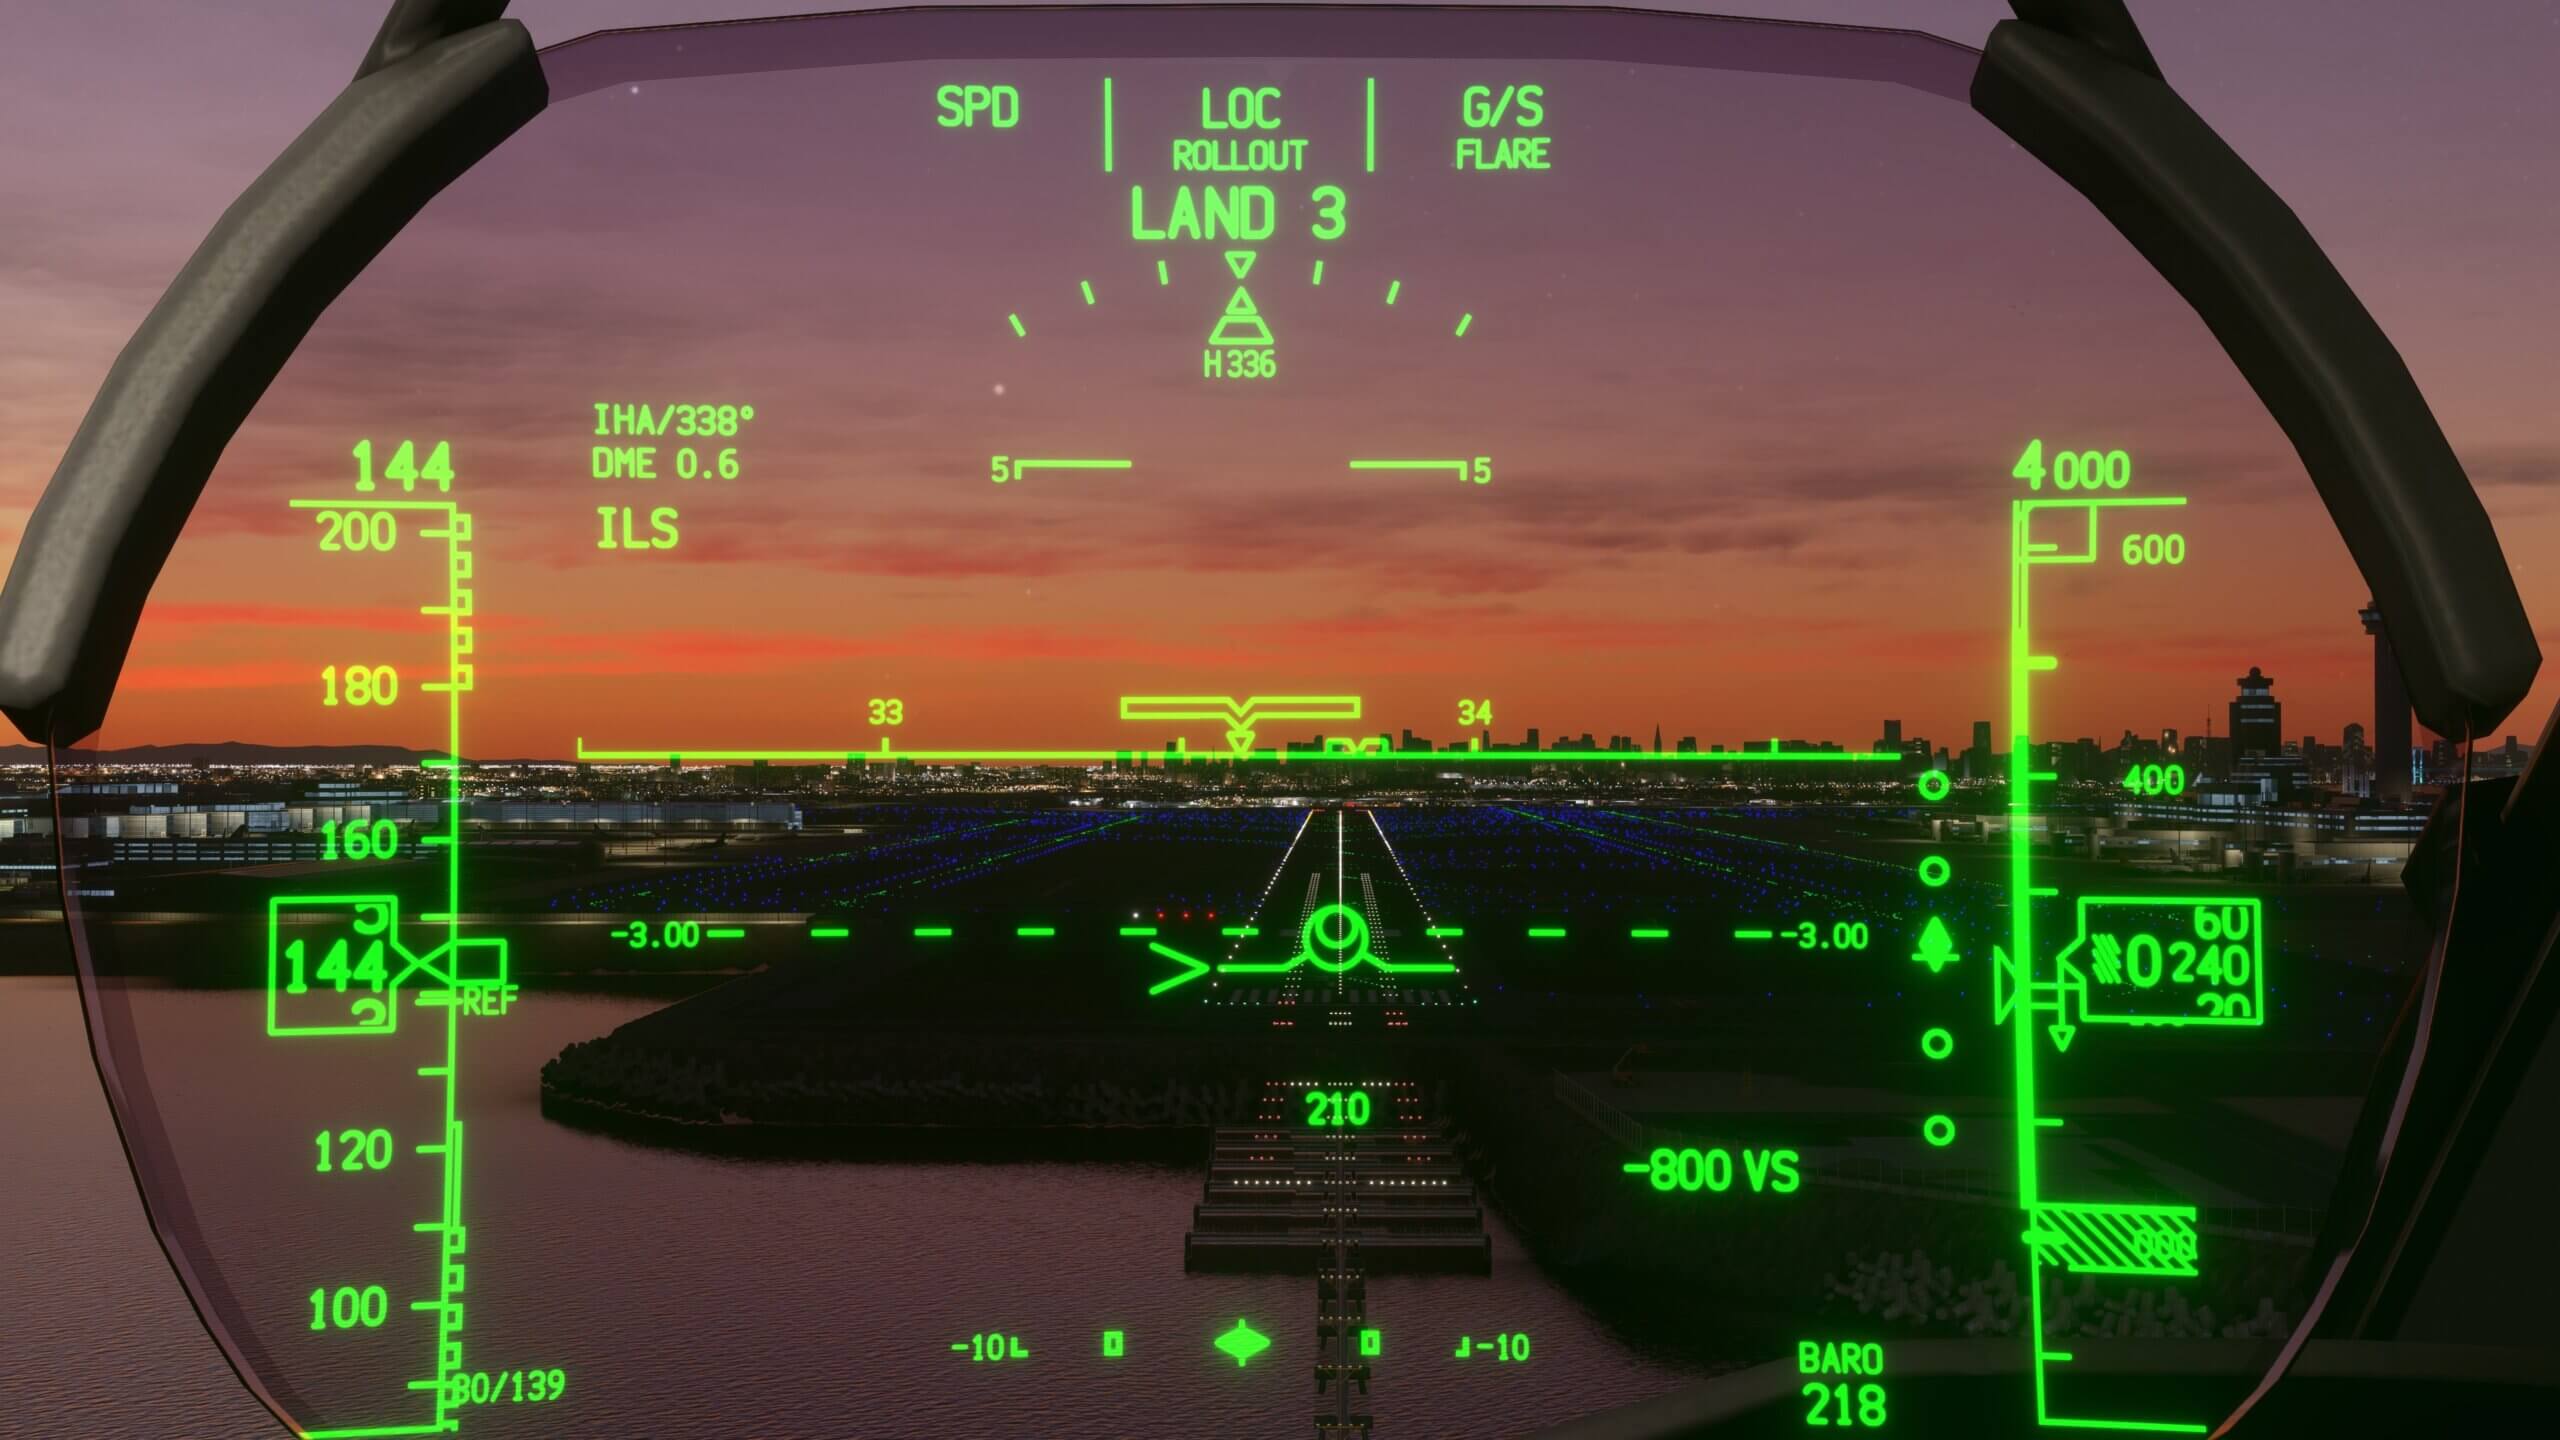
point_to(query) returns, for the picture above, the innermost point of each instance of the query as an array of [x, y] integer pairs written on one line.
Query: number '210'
[[1337, 1109]]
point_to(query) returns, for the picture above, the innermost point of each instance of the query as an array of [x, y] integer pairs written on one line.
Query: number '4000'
[[2074, 469]]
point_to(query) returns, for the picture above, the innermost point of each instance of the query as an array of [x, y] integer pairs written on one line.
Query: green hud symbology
[[341, 966], [2166, 962], [1240, 717], [978, 829], [2133, 961], [1241, 720]]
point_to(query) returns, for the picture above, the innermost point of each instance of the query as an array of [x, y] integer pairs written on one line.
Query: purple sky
[[2418, 152]]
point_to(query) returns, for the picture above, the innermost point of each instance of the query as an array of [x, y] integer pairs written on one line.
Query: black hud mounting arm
[[445, 83], [2072, 82]]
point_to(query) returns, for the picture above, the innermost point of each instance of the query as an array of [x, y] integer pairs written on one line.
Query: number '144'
[[404, 466]]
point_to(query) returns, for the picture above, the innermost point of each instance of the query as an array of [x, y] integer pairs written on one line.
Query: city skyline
[[2254, 725]]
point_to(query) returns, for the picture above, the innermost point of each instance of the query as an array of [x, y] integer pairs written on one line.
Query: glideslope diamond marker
[[1243, 1342]]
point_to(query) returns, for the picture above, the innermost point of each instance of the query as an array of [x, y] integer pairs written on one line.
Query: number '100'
[[347, 1308]]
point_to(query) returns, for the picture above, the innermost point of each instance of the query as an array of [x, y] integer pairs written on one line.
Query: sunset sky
[[1751, 362]]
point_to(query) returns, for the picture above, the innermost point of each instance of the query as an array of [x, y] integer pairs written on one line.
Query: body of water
[[688, 1296]]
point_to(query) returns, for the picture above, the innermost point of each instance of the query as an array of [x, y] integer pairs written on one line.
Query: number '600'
[[2155, 549]]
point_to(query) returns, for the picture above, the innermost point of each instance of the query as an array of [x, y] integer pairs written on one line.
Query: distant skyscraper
[[2391, 740], [1688, 745], [1657, 737], [1533, 737], [1977, 756], [2257, 717], [1892, 737]]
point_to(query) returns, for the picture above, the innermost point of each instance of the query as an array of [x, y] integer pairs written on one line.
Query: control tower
[[2391, 739]]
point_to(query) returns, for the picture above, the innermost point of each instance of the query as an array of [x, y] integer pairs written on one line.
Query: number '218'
[[1870, 1411]]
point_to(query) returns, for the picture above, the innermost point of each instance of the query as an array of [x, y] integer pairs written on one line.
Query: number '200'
[[358, 529]]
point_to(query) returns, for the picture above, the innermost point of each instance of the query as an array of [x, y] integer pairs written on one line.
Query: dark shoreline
[[1635, 1262], [830, 1140]]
